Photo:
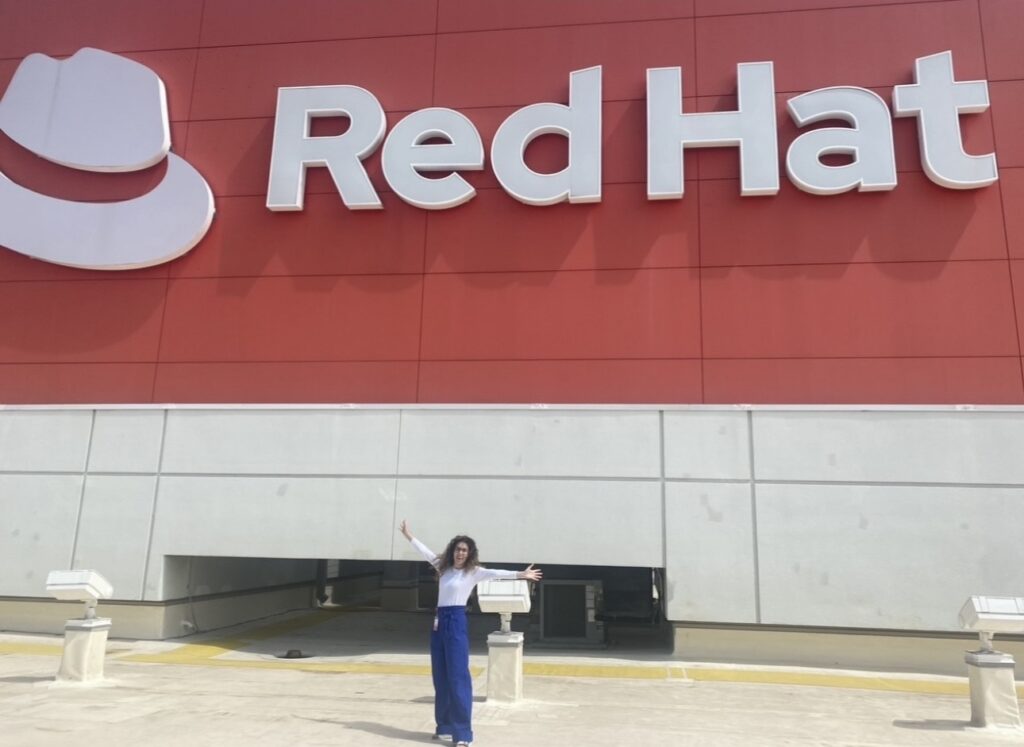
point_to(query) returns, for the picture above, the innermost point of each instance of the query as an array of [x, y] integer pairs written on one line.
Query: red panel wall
[[910, 296]]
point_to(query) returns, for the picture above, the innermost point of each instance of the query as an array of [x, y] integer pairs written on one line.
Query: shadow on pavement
[[430, 699], [932, 724], [383, 730], [372, 727]]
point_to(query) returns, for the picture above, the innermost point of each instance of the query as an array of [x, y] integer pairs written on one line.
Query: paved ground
[[369, 685]]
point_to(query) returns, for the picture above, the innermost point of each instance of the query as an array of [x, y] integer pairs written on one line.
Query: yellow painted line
[[207, 653], [198, 652], [295, 664], [707, 674], [816, 679], [31, 649], [290, 626], [624, 671]]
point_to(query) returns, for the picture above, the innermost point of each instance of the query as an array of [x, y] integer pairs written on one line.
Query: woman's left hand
[[531, 573]]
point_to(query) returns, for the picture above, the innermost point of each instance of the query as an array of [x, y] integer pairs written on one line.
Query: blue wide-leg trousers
[[449, 664]]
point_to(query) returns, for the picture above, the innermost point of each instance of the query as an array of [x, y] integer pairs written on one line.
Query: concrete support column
[[85, 646], [504, 667], [993, 693]]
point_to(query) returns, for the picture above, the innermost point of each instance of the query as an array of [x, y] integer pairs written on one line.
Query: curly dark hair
[[447, 559]]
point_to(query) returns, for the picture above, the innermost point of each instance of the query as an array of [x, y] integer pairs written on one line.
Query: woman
[[458, 571]]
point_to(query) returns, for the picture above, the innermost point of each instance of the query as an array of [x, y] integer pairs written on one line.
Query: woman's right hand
[[404, 527]]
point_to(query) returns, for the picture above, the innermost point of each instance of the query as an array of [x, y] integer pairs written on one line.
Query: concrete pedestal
[[85, 646], [993, 694], [504, 667]]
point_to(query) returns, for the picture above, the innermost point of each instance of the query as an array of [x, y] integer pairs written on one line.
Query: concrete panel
[[274, 517], [126, 441], [883, 446], [39, 514], [44, 440], [885, 556], [845, 649], [281, 441], [709, 552], [157, 621], [113, 533], [530, 443], [707, 445], [536, 521]]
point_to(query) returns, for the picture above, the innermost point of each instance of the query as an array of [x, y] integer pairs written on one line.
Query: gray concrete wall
[[872, 518]]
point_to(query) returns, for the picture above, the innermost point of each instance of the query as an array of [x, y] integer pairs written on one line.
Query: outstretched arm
[[527, 574], [425, 551]]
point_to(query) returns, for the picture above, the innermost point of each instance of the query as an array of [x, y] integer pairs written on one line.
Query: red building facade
[[914, 295]]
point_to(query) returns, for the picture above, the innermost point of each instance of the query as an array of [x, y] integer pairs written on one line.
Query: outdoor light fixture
[[990, 615], [506, 596], [82, 586], [993, 690]]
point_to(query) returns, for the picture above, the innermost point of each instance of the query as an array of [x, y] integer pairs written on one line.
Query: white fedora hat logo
[[98, 111]]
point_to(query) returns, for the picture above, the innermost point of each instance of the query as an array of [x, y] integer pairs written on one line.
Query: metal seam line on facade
[[526, 478], [152, 517], [522, 478], [664, 497], [81, 497], [398, 464], [753, 518], [516, 407]]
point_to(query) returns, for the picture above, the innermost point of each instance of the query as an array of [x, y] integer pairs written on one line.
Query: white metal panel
[[39, 514], [707, 445], [709, 552], [281, 441], [113, 533], [275, 517], [934, 447], [44, 440], [530, 443], [126, 441], [885, 556], [586, 522]]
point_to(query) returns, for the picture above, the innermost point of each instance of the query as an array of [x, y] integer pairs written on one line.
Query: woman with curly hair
[[458, 572]]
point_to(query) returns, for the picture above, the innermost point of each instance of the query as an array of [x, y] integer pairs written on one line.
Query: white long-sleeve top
[[454, 586]]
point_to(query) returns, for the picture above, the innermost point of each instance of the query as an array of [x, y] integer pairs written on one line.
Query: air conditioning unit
[[569, 612]]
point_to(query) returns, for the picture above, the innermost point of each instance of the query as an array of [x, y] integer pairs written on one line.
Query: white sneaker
[[443, 737]]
